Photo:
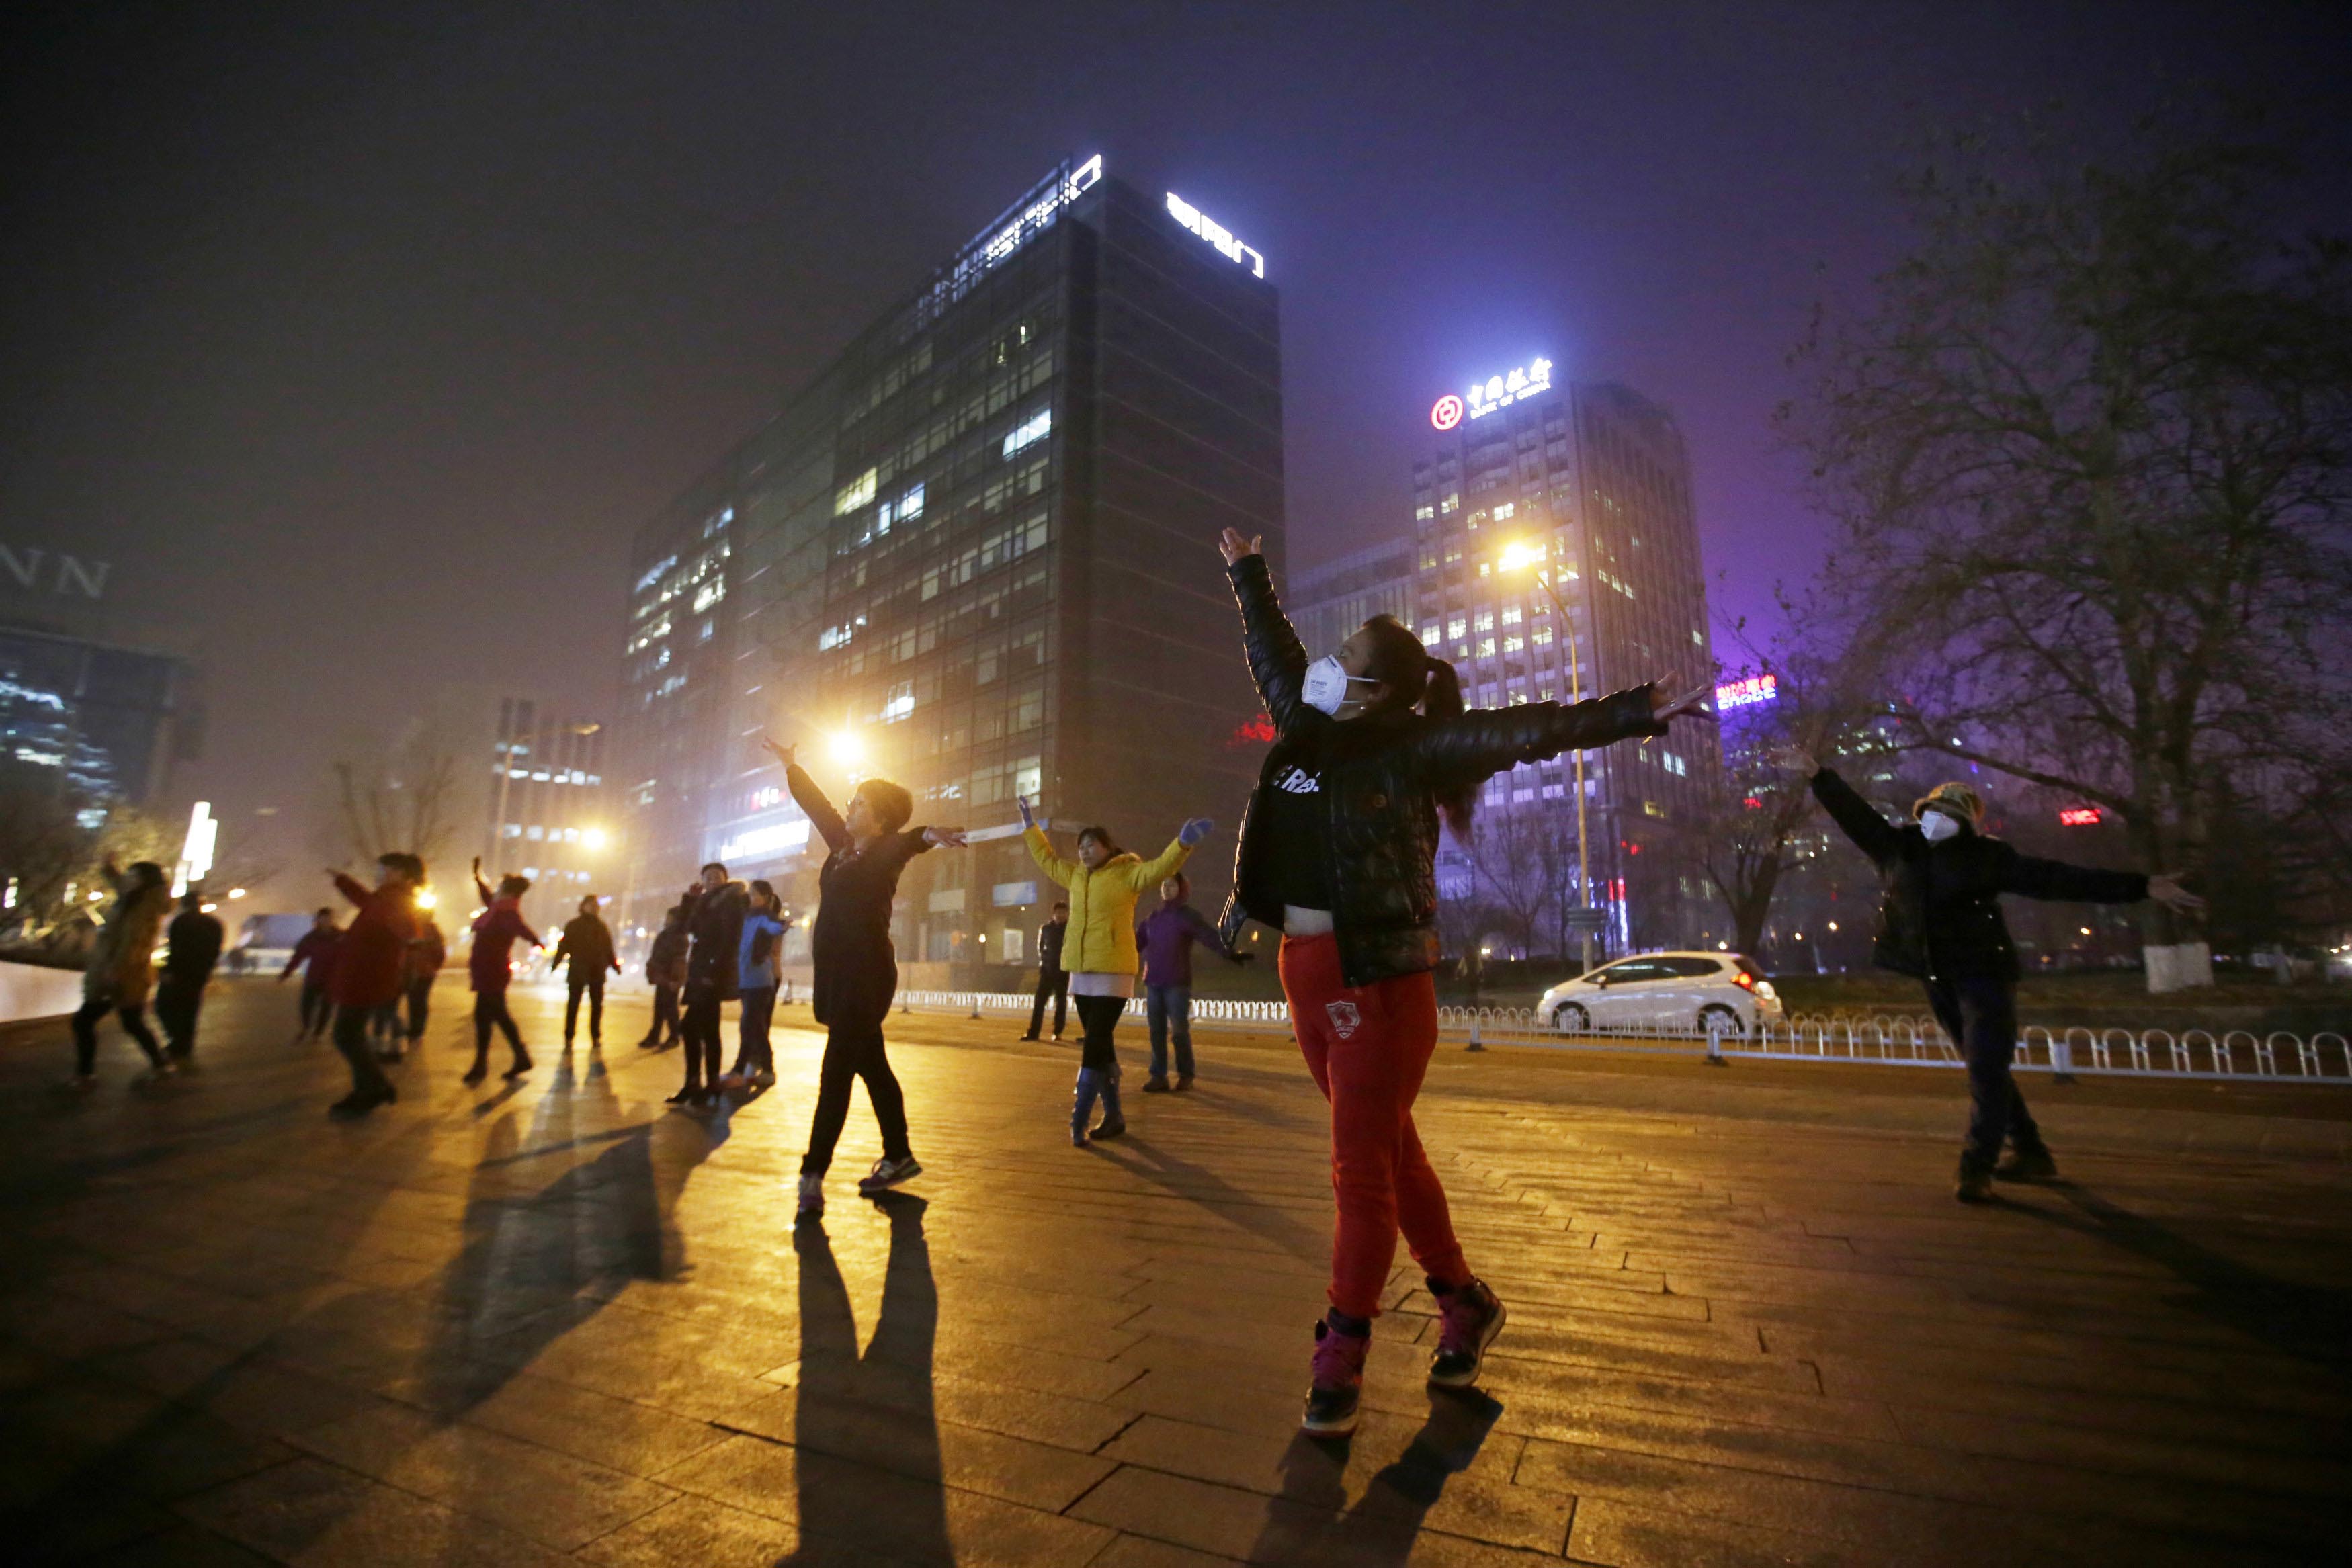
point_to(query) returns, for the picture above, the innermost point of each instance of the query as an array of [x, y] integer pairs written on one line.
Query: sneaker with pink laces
[[1338, 1382], [1469, 1317]]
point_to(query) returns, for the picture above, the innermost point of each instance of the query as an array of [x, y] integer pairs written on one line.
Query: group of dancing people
[[1373, 749]]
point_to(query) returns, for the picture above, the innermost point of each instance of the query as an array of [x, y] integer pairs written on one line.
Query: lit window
[[1424, 512], [1485, 621], [1510, 615], [1449, 504], [855, 493], [1457, 627], [1542, 636], [1512, 645], [1430, 633], [1506, 511], [1485, 647], [1031, 431]]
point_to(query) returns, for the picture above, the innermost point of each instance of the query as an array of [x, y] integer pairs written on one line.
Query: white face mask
[[1326, 686], [1938, 825]]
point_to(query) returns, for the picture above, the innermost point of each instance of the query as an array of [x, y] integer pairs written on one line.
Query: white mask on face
[[1938, 825], [1326, 686]]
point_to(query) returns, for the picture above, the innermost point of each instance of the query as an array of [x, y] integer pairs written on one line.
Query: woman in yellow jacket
[[1104, 882], [121, 969]]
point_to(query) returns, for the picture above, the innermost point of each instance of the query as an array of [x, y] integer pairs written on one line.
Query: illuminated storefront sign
[[1447, 414], [1216, 233], [2078, 816], [1502, 391], [1748, 693]]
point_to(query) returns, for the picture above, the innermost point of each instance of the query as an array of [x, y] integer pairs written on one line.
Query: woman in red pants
[[1339, 853]]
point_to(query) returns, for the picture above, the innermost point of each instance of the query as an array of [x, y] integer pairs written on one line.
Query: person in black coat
[[586, 952], [714, 930], [666, 972], [1053, 980], [1339, 853], [1939, 921], [193, 947], [857, 967]]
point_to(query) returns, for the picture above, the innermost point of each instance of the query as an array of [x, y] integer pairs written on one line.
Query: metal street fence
[[2276, 1056]]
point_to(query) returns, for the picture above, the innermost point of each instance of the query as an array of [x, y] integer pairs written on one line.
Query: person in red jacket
[[490, 966], [369, 969]]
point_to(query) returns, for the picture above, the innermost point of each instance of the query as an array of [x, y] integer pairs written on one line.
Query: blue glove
[[1028, 819], [1193, 832]]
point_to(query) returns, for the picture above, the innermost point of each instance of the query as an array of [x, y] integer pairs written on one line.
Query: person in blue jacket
[[756, 982]]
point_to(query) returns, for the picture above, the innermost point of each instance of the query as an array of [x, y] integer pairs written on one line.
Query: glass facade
[[1592, 483], [107, 722], [981, 546]]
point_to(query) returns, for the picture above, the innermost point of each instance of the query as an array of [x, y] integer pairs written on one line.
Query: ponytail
[[1442, 699], [1417, 678]]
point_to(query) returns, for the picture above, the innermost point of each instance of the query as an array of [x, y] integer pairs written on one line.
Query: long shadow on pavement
[[1305, 1524], [2307, 1322], [884, 1397], [523, 1277], [1200, 1185]]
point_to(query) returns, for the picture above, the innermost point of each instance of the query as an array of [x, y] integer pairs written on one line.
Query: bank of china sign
[[1216, 233], [1494, 393]]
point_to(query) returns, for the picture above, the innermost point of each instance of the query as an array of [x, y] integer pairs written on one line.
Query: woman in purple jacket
[[1164, 937]]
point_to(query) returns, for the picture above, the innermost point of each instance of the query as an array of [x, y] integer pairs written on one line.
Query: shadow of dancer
[[880, 1401], [536, 1264], [2307, 1322], [1305, 1522], [1202, 1187]]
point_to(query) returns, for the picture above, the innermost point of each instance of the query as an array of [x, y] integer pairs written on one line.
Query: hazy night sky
[[361, 338]]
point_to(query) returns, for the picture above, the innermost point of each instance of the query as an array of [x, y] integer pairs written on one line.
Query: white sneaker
[[812, 1196], [765, 1078], [888, 1173]]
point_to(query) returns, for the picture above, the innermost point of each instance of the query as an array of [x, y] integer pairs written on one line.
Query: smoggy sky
[[361, 336]]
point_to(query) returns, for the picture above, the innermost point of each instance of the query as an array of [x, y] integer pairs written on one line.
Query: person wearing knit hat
[[1939, 919]]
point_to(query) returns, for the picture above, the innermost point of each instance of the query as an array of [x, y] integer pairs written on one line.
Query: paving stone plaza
[[559, 1323]]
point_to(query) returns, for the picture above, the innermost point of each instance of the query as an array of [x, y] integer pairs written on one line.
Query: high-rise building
[[976, 555], [1327, 602], [544, 810], [1590, 484]]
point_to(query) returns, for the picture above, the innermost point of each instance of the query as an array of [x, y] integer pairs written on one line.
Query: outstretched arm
[[2031, 876], [1477, 745], [1277, 660], [481, 888], [1041, 852], [348, 888], [1856, 818], [817, 808], [1162, 866]]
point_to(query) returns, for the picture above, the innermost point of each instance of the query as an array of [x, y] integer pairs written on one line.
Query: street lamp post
[[1513, 558]]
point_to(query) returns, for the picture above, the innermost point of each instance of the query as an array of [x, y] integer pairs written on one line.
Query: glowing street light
[[1529, 555], [426, 898], [595, 838], [846, 747], [236, 893]]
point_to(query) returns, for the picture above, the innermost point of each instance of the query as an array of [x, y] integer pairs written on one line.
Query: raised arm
[[1277, 660], [481, 888], [817, 808], [1167, 863], [350, 889], [2031, 876], [1477, 745], [1041, 850], [1856, 818]]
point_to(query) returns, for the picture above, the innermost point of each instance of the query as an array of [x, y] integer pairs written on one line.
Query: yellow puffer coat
[[122, 968], [1102, 902]]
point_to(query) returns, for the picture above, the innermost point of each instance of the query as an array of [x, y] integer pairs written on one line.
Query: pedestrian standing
[[755, 983], [1939, 921], [192, 947], [714, 944], [1339, 853], [1103, 884], [427, 951], [666, 972], [121, 968], [314, 954], [490, 968], [857, 967], [368, 971], [586, 949], [1165, 939], [1053, 980]]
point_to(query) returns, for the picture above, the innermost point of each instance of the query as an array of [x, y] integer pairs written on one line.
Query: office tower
[[976, 555]]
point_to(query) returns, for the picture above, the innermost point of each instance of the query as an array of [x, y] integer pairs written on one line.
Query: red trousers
[[1368, 1048]]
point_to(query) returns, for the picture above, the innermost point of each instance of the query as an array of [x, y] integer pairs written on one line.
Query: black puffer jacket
[[1939, 905], [1381, 777], [716, 927]]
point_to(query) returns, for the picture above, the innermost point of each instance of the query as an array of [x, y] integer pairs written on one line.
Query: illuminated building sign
[[1030, 216], [1502, 391], [1216, 233], [1748, 693], [761, 843], [2078, 816], [1447, 414]]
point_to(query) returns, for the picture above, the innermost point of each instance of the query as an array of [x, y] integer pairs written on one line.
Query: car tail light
[[1743, 979]]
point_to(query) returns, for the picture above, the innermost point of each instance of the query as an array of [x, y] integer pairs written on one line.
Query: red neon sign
[[1447, 414], [1252, 731], [2078, 816]]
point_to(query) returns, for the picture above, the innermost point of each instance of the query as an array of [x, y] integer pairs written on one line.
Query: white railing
[[1883, 1039]]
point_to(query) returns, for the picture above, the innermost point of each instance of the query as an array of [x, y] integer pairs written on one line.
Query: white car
[[1664, 990]]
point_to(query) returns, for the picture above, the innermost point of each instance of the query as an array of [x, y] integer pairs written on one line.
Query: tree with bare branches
[[2089, 449]]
